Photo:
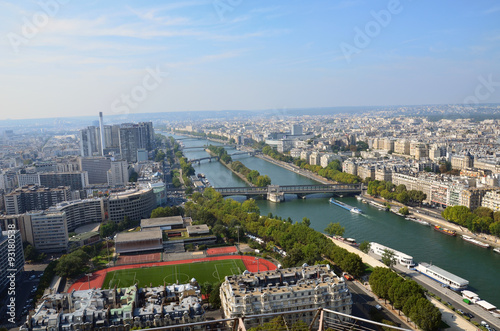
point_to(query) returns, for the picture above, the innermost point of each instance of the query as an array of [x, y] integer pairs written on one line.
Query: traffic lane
[[368, 301], [448, 295]]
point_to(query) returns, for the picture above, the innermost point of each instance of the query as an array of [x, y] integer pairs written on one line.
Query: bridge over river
[[277, 192]]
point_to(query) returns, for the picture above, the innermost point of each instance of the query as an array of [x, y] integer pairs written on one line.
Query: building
[[164, 223], [28, 179], [284, 290], [118, 309], [350, 167], [327, 158], [118, 174], [90, 144], [129, 142], [135, 204], [96, 167], [402, 147], [296, 130], [77, 180], [49, 231], [143, 241], [491, 200], [315, 158], [11, 245], [82, 212], [473, 197], [34, 197], [462, 161], [142, 155]]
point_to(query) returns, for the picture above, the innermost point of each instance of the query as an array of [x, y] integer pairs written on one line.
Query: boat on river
[[442, 276], [417, 220], [345, 206], [475, 241], [496, 250], [445, 231]]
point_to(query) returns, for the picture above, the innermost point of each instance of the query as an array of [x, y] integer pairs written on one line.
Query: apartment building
[[491, 200], [135, 204], [34, 197], [284, 290], [473, 197], [82, 212], [49, 231], [462, 161], [76, 180]]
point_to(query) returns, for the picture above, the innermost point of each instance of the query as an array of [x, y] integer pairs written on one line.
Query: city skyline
[[62, 58]]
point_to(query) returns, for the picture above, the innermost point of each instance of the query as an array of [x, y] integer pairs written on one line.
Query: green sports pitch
[[212, 271]]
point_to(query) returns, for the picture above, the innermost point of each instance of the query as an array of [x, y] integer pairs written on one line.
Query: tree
[[107, 229], [335, 229], [70, 265], [388, 258], [306, 221], [364, 247], [404, 211], [403, 197], [214, 298], [30, 253]]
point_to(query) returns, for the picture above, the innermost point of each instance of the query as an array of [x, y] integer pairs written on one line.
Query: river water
[[479, 266]]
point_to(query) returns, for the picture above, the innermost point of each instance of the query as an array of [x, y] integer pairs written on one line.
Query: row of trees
[[407, 296], [482, 219], [269, 151], [332, 171], [389, 191], [221, 153], [108, 228]]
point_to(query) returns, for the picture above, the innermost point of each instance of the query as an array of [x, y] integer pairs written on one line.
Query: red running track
[[97, 278]]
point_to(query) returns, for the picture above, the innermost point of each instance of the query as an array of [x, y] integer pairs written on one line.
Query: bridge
[[277, 192], [210, 158], [193, 147]]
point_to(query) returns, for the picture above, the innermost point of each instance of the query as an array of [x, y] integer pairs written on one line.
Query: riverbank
[[294, 168], [447, 315], [433, 220]]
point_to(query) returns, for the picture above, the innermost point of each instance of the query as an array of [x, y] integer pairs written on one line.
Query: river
[[479, 266]]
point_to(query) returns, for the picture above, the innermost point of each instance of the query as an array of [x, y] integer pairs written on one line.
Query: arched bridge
[[291, 189]]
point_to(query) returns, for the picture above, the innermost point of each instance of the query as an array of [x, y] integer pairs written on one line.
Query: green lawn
[[212, 272]]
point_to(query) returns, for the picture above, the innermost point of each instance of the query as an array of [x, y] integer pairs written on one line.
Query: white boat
[[442, 276], [475, 242], [496, 250], [402, 258], [419, 221], [359, 197], [345, 206]]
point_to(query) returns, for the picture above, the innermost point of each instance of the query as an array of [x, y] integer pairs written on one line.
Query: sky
[[77, 58]]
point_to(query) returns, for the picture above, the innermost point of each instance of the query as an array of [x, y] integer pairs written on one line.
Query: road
[[450, 296], [364, 301]]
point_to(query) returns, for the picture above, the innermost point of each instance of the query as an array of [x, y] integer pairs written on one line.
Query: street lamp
[[238, 227], [88, 278]]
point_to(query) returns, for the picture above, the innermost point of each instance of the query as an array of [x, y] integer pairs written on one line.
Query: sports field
[[210, 271]]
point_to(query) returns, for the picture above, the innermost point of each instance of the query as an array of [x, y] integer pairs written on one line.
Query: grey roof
[[138, 236], [161, 221], [446, 274]]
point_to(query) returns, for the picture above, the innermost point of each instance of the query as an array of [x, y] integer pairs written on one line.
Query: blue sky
[[74, 58]]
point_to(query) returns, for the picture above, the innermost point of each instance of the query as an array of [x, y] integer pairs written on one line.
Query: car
[[469, 315], [461, 311], [483, 323], [378, 307]]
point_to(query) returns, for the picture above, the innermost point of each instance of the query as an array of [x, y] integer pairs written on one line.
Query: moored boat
[[475, 242], [442, 276], [445, 231], [496, 250]]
